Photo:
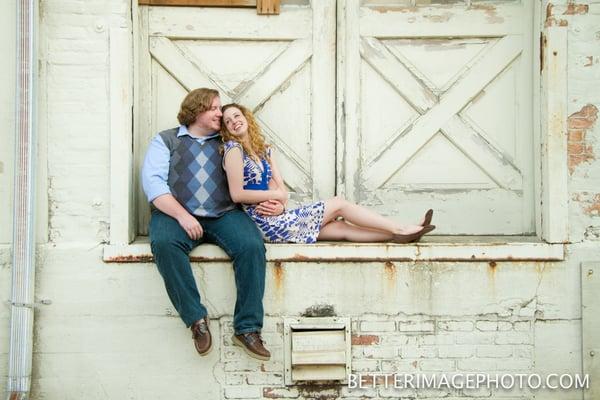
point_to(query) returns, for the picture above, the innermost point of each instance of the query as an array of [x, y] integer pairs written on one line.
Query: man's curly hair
[[196, 102]]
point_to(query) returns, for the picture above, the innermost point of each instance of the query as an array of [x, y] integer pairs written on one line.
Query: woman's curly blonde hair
[[256, 145]]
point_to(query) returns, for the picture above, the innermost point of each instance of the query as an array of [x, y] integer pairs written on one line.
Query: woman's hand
[[270, 208]]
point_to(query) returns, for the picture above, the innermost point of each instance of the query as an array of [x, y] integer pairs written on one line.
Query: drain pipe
[[23, 261]]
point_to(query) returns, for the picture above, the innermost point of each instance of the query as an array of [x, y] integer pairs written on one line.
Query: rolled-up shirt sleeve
[[155, 170]]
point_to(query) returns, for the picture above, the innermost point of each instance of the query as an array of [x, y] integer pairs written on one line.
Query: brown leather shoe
[[428, 217], [201, 336], [412, 237], [252, 344]]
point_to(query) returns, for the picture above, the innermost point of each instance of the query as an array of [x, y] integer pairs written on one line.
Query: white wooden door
[[282, 67], [436, 111]]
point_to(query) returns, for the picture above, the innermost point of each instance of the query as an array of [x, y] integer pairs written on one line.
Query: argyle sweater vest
[[196, 176]]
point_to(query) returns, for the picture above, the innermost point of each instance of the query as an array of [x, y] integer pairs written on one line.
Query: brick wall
[[383, 346]]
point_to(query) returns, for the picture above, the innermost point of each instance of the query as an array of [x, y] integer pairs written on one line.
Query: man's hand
[[191, 226], [270, 208]]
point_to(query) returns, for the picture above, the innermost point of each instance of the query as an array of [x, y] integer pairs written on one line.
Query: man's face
[[211, 118]]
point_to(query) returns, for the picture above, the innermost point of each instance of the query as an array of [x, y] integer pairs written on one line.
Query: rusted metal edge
[[148, 258]]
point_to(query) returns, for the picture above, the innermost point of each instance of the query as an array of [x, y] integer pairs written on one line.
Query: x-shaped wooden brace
[[189, 71], [441, 115]]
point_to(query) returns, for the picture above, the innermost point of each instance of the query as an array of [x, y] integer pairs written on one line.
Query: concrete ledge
[[435, 248]]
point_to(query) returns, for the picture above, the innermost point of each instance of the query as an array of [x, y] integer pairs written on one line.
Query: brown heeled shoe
[[412, 237], [428, 217]]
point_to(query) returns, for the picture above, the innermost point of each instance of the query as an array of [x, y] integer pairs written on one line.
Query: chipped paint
[[444, 17], [490, 11], [575, 9]]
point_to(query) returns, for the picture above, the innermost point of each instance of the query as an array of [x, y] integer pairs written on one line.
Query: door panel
[[282, 68], [437, 104]]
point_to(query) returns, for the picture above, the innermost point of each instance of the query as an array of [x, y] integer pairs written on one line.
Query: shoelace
[[253, 337], [200, 328]]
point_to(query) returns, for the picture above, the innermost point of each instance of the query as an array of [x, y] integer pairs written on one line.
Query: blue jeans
[[239, 237]]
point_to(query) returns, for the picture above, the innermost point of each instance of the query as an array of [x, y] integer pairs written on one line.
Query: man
[[184, 180]]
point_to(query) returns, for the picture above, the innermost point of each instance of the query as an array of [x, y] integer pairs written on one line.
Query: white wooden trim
[[538, 23], [323, 98], [340, 92], [555, 191], [178, 23], [351, 97], [436, 248], [121, 151]]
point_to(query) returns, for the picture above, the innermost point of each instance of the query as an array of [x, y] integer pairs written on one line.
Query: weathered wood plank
[[181, 67], [441, 21], [276, 74], [215, 23], [351, 107], [397, 75], [395, 156], [267, 7], [491, 160], [143, 122], [555, 213], [323, 98], [121, 156]]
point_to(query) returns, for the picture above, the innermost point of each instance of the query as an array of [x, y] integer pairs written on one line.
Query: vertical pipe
[[23, 265]]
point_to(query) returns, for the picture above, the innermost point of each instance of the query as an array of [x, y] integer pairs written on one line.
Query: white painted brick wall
[[101, 307]]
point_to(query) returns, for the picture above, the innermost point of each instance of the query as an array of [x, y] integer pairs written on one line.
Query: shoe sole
[[207, 350], [239, 343]]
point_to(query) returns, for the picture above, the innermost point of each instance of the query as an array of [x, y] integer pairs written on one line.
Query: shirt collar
[[183, 130]]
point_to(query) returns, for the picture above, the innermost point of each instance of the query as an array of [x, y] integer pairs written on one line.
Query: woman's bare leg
[[340, 230], [363, 217]]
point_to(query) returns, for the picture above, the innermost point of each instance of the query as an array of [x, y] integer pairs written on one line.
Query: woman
[[254, 178]]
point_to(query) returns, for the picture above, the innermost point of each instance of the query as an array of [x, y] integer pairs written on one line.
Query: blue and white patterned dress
[[299, 225]]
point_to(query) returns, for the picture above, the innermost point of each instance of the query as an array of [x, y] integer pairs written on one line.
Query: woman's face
[[235, 122]]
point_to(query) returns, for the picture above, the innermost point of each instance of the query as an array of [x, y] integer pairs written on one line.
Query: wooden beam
[[263, 7], [267, 7], [203, 3]]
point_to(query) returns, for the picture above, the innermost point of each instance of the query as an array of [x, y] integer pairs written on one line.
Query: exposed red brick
[[580, 123], [556, 22], [365, 340], [576, 135], [574, 9], [588, 111], [279, 393], [576, 148], [579, 150]]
